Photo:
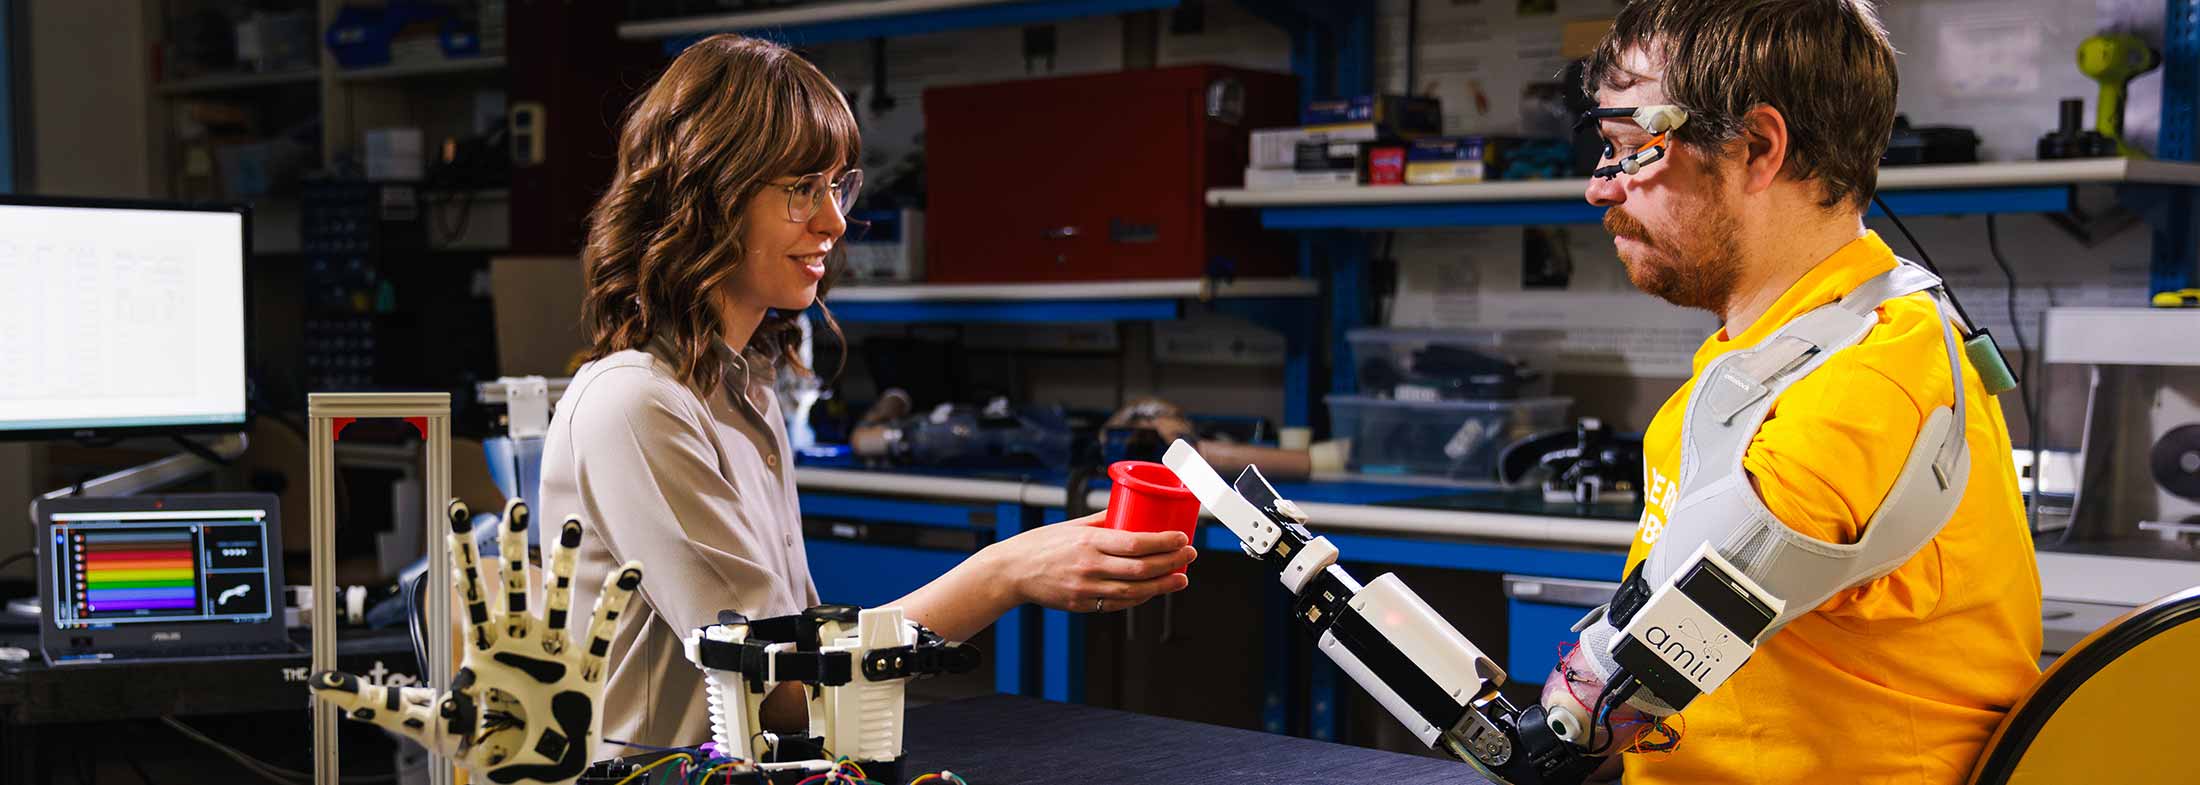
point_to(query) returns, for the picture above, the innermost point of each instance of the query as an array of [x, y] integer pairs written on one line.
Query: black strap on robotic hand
[[930, 655]]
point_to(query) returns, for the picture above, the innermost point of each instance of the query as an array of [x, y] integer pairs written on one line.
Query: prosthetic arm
[[1426, 674], [1724, 574]]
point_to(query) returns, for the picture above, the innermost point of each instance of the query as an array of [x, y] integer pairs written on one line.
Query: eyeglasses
[[1658, 119], [806, 195]]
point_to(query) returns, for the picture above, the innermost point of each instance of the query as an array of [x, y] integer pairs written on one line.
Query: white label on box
[[1443, 172]]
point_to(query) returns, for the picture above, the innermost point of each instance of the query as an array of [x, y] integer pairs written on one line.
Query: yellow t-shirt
[[1902, 679]]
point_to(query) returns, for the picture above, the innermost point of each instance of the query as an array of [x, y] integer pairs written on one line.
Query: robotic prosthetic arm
[[1444, 688], [1426, 674]]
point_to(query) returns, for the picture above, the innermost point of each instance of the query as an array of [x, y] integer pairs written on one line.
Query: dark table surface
[[33, 692], [1009, 740]]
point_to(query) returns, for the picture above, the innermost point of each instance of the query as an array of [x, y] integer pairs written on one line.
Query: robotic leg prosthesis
[[1445, 689]]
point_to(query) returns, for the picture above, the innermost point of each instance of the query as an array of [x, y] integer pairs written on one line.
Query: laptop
[[160, 578]]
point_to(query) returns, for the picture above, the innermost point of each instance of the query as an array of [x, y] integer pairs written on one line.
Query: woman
[[734, 175]]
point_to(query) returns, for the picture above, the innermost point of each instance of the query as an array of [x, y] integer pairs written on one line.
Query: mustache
[[1619, 224]]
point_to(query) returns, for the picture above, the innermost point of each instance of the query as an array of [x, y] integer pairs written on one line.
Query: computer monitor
[[121, 318]]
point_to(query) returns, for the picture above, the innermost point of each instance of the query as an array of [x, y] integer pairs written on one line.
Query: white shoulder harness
[[1719, 527]]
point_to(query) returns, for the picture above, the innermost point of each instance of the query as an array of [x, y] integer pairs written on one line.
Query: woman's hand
[[1077, 566]]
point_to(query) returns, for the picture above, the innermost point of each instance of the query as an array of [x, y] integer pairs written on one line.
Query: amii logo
[[1687, 648]]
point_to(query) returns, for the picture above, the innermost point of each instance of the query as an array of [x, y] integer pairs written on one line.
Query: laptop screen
[[159, 566]]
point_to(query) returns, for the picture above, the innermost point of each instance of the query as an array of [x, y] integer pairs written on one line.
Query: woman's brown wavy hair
[[729, 115]]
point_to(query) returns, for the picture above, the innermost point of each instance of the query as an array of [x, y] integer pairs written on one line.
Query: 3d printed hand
[[525, 706]]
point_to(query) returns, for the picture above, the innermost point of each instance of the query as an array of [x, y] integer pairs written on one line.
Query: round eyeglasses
[[807, 194]]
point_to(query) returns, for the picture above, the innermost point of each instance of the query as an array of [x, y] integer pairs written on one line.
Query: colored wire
[[683, 757], [727, 766], [651, 747]]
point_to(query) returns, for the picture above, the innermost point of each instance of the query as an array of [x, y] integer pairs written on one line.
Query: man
[[1753, 210]]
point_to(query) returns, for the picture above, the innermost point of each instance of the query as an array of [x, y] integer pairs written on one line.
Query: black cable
[[2024, 369], [456, 231], [202, 452], [1926, 258], [266, 770], [136, 767], [15, 557]]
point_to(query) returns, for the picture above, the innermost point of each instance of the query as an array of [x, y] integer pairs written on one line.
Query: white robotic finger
[[557, 590], [610, 602], [466, 578], [512, 545]]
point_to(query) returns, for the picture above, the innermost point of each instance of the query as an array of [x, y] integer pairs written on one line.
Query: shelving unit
[[463, 65], [857, 19], [232, 82], [1055, 303], [1956, 189]]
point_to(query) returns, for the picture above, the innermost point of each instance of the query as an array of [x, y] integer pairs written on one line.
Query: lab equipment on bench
[[2139, 457], [995, 435], [1456, 441], [1587, 464], [2070, 139]]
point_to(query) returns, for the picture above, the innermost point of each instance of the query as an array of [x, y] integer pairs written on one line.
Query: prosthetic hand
[[1426, 674], [525, 705]]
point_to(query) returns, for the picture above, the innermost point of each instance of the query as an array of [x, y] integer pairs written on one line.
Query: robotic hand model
[[525, 705], [856, 664], [1723, 574]]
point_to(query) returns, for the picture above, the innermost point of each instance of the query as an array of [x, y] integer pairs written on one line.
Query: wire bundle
[[724, 769]]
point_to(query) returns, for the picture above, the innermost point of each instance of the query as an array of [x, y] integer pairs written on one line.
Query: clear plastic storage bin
[[1457, 441], [1433, 364]]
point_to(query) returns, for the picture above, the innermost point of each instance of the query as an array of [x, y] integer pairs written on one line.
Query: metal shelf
[[432, 68], [232, 82], [2118, 336], [863, 19], [1051, 303], [1955, 189]]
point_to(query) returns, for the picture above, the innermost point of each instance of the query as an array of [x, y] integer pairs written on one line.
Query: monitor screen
[[119, 316], [167, 566]]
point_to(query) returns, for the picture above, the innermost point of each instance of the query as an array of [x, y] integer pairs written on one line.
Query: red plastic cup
[[1147, 497]]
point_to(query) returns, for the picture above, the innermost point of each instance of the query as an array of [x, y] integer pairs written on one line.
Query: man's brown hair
[[1824, 64]]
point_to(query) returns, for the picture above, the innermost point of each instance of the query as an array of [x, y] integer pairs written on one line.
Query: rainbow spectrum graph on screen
[[131, 571], [160, 566]]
